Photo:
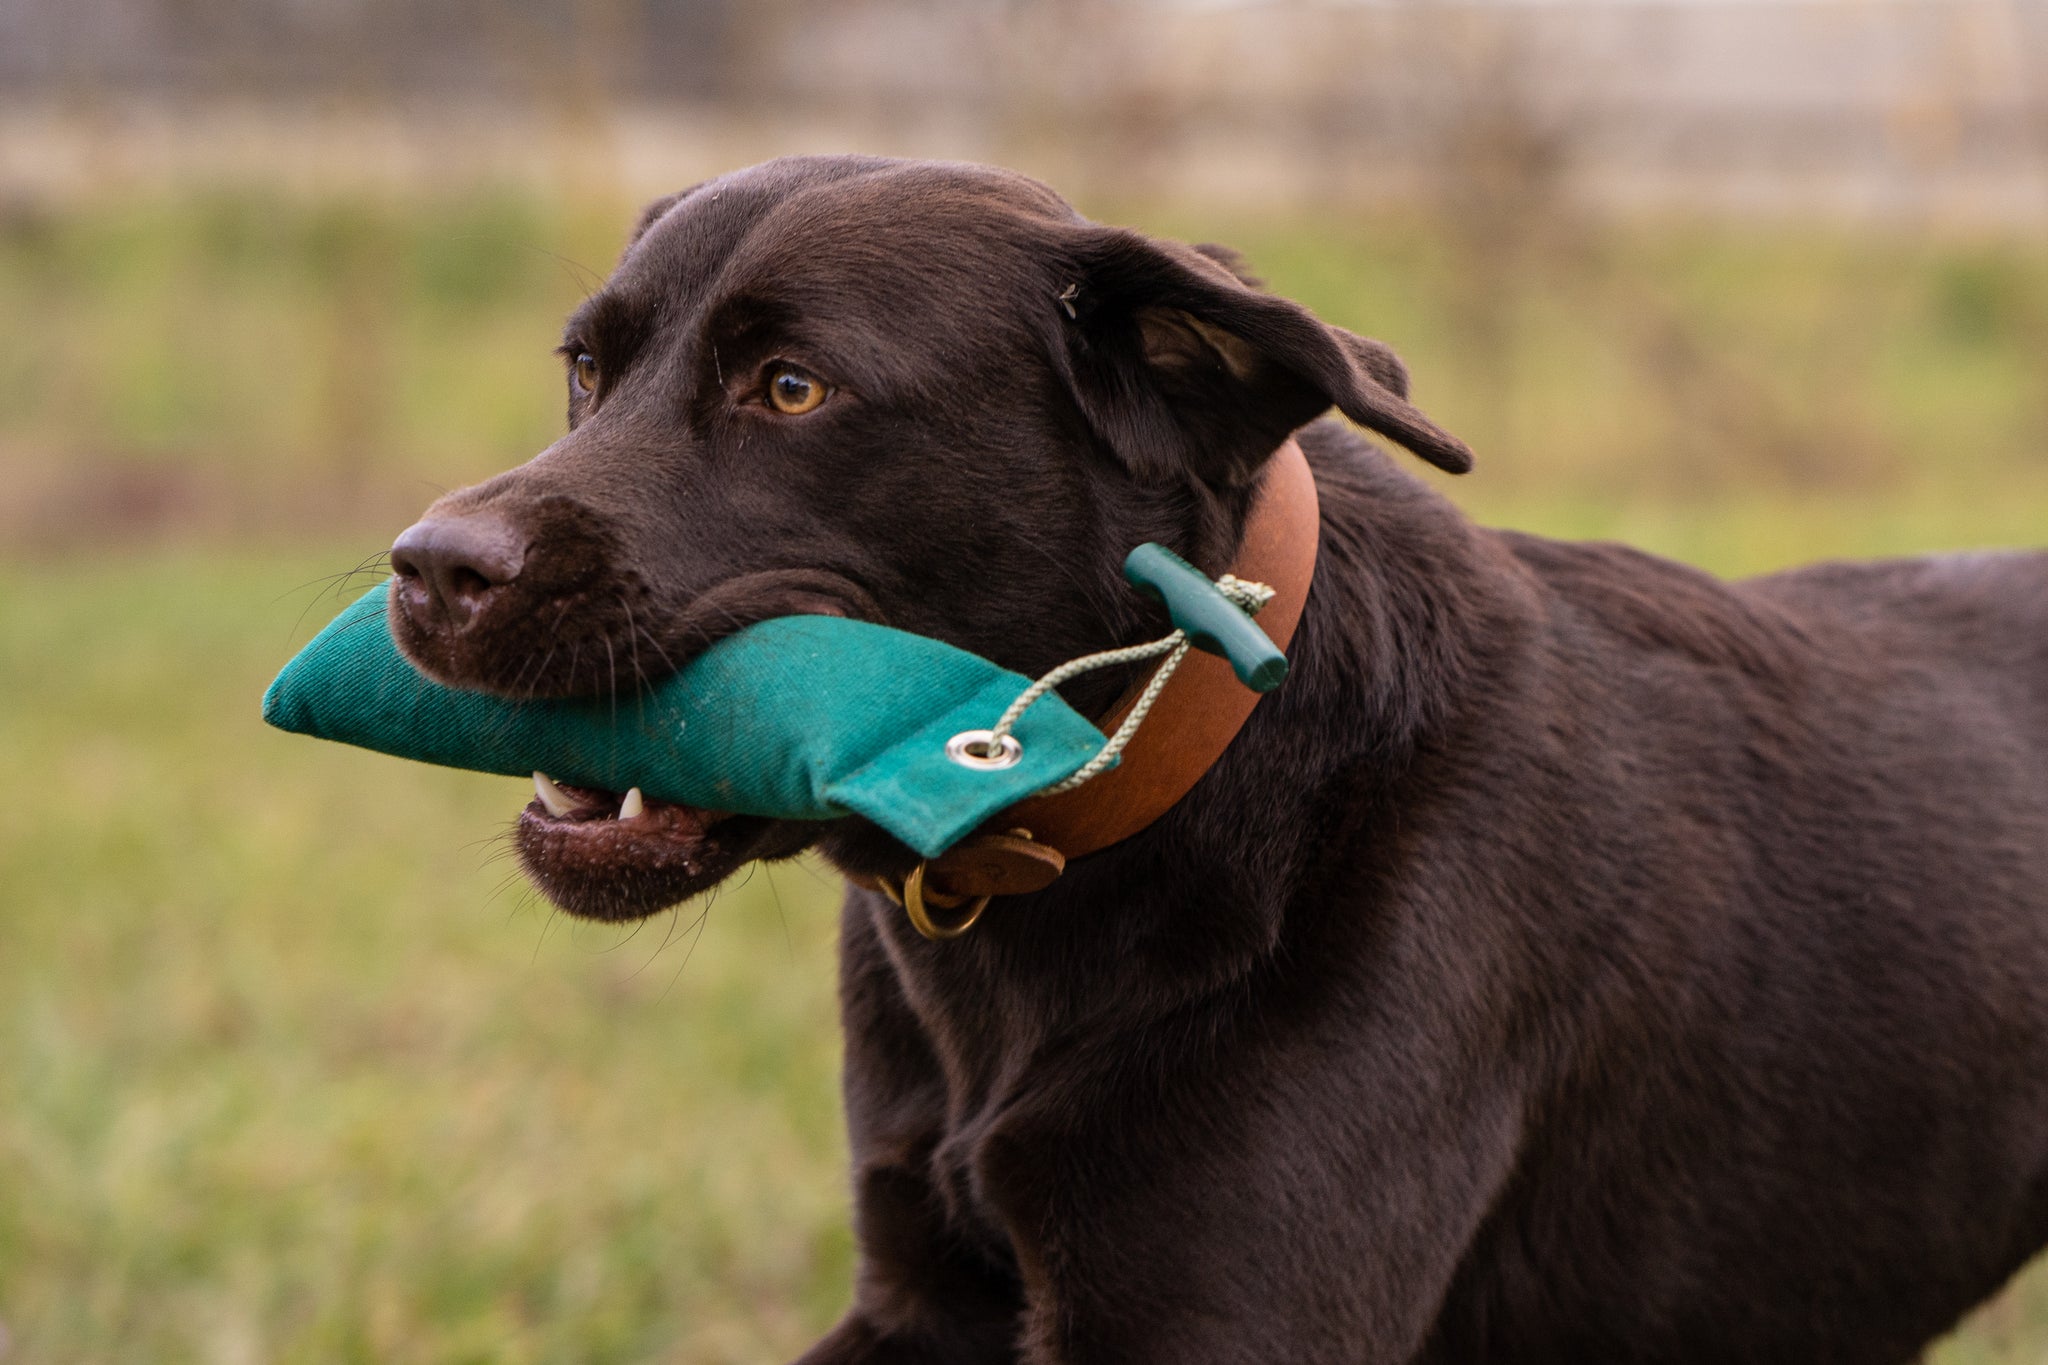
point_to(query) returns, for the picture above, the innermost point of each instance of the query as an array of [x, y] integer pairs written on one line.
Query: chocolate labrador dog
[[1578, 959]]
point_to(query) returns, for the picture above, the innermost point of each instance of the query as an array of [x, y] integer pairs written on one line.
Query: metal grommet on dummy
[[983, 749]]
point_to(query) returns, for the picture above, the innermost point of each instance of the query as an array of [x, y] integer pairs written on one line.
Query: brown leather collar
[[1196, 716]]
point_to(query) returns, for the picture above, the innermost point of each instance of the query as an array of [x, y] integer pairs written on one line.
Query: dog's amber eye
[[794, 391], [584, 372]]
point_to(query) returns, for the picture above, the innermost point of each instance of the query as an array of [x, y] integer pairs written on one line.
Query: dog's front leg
[[929, 1289], [921, 1296], [1282, 1205]]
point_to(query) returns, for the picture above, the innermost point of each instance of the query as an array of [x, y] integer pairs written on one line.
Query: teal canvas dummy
[[799, 717]]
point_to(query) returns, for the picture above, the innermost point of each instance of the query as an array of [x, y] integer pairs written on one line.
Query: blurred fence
[[1926, 110]]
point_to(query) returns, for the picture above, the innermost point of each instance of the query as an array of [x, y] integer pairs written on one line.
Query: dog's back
[[1974, 624]]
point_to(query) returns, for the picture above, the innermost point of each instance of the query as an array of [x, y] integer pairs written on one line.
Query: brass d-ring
[[921, 920]]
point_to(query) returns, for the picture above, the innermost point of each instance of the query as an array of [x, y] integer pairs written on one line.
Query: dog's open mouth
[[622, 855], [616, 856]]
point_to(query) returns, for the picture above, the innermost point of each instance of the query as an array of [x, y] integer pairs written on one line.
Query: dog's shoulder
[[1645, 602]]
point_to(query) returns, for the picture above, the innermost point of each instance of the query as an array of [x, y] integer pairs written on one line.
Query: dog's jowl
[[1579, 959]]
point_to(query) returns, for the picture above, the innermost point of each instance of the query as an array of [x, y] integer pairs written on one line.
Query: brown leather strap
[[1198, 712]]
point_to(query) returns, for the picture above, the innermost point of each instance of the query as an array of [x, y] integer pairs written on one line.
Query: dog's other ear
[[652, 214], [1178, 362]]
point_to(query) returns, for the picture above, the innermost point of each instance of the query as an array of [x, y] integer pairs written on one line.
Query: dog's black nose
[[449, 566]]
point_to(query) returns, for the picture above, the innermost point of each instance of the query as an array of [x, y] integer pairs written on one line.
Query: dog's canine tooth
[[632, 807], [553, 797]]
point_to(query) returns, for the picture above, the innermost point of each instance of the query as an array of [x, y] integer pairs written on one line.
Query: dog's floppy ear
[[1177, 362]]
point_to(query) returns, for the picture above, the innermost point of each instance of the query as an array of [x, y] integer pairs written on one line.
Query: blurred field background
[[291, 1066]]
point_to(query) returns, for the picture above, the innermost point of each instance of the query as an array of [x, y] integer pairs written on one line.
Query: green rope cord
[[1249, 597]]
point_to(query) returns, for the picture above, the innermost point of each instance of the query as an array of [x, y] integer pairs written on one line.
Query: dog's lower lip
[[595, 865]]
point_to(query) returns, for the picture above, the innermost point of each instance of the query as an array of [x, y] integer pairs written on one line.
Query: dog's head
[[930, 396]]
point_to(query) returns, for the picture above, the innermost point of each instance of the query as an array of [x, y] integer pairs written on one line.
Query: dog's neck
[[1405, 590], [1196, 711]]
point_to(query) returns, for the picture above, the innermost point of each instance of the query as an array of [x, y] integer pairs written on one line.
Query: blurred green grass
[[289, 1070]]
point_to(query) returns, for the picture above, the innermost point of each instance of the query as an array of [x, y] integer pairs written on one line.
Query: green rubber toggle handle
[[1213, 622]]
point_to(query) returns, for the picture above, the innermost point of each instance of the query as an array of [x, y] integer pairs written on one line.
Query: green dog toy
[[799, 717]]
